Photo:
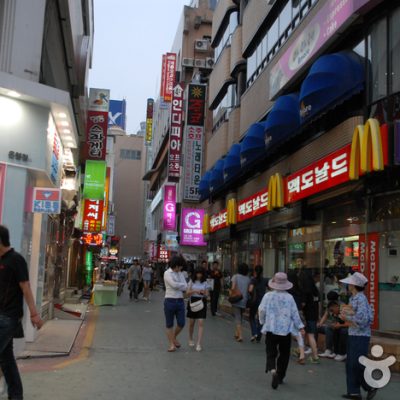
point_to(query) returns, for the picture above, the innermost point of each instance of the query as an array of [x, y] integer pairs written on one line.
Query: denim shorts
[[311, 327], [174, 308]]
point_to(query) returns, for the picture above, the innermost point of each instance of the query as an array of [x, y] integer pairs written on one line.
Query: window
[[227, 35], [221, 113], [377, 56], [126, 154], [394, 43], [279, 31]]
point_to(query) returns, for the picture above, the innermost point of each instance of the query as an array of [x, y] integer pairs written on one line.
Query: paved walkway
[[128, 360]]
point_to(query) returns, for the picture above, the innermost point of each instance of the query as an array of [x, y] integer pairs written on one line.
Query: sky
[[130, 37]]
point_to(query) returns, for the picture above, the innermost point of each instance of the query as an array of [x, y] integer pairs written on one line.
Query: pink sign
[[327, 22], [2, 186], [169, 214], [192, 227]]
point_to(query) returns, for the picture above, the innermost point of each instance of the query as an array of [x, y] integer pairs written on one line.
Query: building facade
[[303, 154], [45, 54], [194, 61]]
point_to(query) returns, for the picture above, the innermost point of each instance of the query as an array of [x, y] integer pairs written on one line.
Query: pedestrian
[[240, 294], [121, 280], [14, 287], [174, 306], [257, 289], [296, 293], [216, 286], [147, 275], [360, 316], [134, 277], [310, 304], [197, 306], [204, 265], [279, 315]]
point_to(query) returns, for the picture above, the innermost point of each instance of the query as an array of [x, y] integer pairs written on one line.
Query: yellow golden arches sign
[[232, 212], [206, 224], [366, 149], [275, 192]]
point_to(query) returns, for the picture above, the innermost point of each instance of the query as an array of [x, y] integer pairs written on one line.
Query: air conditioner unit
[[187, 62], [201, 45], [209, 62], [200, 63]]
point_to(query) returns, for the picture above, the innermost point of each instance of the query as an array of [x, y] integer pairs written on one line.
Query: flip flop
[[172, 350]]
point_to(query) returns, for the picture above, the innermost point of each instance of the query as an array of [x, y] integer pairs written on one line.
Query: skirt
[[202, 314]]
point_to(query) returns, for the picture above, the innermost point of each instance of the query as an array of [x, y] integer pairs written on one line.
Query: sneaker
[[371, 394], [340, 357], [191, 343], [198, 348], [314, 360], [327, 354], [307, 351]]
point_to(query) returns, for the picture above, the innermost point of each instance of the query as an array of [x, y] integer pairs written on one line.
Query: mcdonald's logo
[[232, 212], [206, 224], [275, 192], [366, 149]]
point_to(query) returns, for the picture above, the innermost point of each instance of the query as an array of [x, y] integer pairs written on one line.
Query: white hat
[[357, 279], [280, 282]]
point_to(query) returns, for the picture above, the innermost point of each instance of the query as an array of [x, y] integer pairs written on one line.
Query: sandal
[[177, 345], [301, 361], [172, 350], [239, 340]]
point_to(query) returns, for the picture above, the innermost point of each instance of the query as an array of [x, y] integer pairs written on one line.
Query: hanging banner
[[106, 199], [117, 114], [325, 24], [194, 139], [2, 187], [93, 215], [149, 120], [192, 227], [46, 200], [169, 208], [95, 179], [97, 124], [163, 75], [175, 136]]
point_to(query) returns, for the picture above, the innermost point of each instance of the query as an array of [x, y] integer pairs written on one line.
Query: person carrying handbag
[[14, 287], [197, 306]]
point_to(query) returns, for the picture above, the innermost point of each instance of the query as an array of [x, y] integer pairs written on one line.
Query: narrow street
[[128, 360]]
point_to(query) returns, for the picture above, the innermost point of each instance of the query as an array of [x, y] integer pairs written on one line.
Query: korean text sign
[[192, 227], [194, 139], [169, 208], [93, 215], [253, 206], [168, 76], [175, 137], [149, 120], [95, 179]]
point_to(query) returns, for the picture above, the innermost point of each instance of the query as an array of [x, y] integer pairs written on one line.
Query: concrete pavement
[[128, 360]]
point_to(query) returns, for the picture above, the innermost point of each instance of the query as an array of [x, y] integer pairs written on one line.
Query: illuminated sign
[[93, 215], [192, 227], [169, 209], [219, 221], [149, 120], [91, 239], [46, 200]]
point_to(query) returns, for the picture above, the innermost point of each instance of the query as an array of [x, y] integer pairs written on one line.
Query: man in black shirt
[[14, 286]]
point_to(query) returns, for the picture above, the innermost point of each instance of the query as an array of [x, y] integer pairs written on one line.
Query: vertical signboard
[[192, 227], [95, 179], [106, 199], [369, 266], [55, 152], [97, 124], [175, 137], [194, 138], [92, 215], [117, 114], [163, 75], [2, 186], [168, 77], [169, 208], [149, 120]]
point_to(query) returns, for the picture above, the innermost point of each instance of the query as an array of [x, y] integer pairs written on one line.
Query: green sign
[[89, 266], [95, 180]]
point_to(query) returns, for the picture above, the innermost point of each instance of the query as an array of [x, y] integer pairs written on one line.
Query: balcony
[[220, 77], [236, 50], [221, 15]]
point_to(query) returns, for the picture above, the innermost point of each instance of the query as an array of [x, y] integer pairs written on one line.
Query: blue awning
[[217, 176], [204, 185], [232, 164], [332, 79], [253, 144], [282, 121]]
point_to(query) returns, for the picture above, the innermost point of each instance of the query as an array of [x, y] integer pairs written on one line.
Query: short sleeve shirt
[[13, 271]]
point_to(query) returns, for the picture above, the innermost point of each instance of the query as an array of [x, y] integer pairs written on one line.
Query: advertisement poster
[[46, 200], [117, 114], [169, 208], [95, 179], [93, 215], [192, 227], [194, 139], [170, 71]]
